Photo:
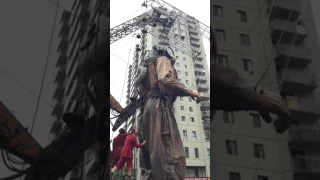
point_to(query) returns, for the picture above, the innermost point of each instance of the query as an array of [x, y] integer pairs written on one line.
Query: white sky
[[124, 10]]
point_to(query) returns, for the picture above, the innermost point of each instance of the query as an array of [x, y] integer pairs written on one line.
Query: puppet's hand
[[271, 103], [195, 96]]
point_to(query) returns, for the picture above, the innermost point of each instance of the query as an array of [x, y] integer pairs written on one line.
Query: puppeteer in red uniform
[[127, 154], [118, 144]]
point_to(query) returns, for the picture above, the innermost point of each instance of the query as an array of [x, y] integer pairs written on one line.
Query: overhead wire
[[24, 86], [45, 70]]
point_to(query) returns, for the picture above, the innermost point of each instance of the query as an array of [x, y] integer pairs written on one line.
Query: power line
[[45, 67], [25, 87], [44, 73]]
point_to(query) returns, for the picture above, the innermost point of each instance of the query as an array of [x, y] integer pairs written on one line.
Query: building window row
[[232, 149], [218, 11], [183, 118], [228, 117], [221, 36], [196, 152], [237, 176]]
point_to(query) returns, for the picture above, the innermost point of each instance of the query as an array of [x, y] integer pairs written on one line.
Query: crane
[[59, 157]]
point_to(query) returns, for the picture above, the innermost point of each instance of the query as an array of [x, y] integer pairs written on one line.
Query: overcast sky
[[124, 10], [24, 41]]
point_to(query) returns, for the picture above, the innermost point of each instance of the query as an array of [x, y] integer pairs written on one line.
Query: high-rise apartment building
[[277, 37], [74, 23], [192, 68]]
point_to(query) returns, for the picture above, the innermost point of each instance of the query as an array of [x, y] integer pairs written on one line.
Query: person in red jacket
[[117, 145], [126, 153]]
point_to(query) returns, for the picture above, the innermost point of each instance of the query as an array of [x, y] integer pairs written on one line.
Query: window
[[192, 119], [220, 35], [256, 120], [218, 11], [231, 147], [194, 134], [247, 64], [242, 16], [196, 152], [244, 40], [182, 31], [182, 52], [263, 178], [186, 66], [178, 65], [184, 59], [176, 50], [177, 57], [234, 176], [181, 98], [185, 135], [190, 109], [182, 108], [186, 151], [179, 72], [183, 118], [186, 73], [175, 29], [259, 151], [228, 117], [208, 150], [222, 60], [190, 99], [207, 134], [187, 82]]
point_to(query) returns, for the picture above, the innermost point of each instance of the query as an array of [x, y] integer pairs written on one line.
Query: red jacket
[[130, 143], [118, 143]]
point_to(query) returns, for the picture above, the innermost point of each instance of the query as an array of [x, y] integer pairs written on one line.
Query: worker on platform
[[117, 146], [126, 153]]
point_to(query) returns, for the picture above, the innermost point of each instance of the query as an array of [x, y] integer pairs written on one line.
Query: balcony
[[194, 37], [199, 71], [163, 42], [203, 87], [57, 110], [206, 124], [198, 64], [306, 168], [58, 94], [195, 43], [205, 114], [298, 56], [286, 8], [62, 61], [64, 31], [303, 108], [196, 50], [200, 57], [201, 79], [56, 127], [304, 137], [63, 45], [61, 75], [65, 17], [288, 31], [204, 96], [297, 81], [193, 32], [205, 105]]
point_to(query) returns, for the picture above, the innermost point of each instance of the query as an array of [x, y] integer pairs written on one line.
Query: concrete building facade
[[74, 23], [192, 68], [277, 37]]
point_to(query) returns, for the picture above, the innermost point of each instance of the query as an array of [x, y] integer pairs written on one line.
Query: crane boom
[[162, 14]]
